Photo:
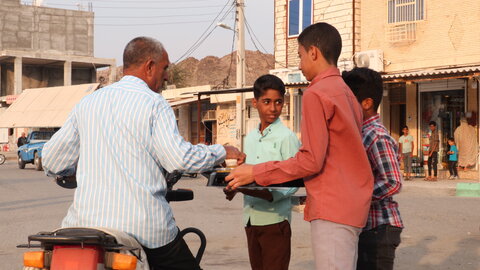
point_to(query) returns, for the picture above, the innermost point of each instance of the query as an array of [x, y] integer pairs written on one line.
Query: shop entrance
[[444, 107]]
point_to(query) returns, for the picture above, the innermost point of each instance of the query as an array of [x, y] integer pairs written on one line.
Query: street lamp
[[240, 101], [225, 26]]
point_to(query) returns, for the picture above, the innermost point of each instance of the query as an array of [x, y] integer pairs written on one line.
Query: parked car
[[31, 152]]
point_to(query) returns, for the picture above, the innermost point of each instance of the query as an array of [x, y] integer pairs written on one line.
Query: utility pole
[[240, 101]]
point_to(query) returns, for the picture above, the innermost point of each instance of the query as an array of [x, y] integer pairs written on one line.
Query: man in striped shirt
[[117, 141], [381, 235]]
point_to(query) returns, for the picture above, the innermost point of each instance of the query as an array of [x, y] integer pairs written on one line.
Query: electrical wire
[[130, 8], [227, 78], [252, 35], [147, 24], [151, 17], [206, 33]]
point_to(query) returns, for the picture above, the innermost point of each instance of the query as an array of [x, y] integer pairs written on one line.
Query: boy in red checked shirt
[[381, 235], [332, 159]]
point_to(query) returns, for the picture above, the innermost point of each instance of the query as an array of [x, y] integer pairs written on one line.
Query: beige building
[[427, 51], [431, 64]]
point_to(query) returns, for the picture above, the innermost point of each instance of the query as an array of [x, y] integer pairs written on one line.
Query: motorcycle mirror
[[69, 182]]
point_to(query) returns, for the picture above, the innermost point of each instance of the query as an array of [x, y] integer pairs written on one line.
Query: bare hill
[[212, 70]]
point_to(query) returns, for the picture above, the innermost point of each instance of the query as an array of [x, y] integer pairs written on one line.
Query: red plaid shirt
[[382, 152]]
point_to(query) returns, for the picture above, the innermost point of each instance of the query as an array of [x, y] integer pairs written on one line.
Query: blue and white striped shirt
[[117, 140]]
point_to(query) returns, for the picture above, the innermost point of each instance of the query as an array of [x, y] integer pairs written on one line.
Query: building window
[[405, 10], [299, 16]]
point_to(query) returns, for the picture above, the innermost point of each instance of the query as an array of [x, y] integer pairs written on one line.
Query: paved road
[[442, 231]]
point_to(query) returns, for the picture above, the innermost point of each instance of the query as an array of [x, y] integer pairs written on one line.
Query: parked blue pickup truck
[[31, 152]]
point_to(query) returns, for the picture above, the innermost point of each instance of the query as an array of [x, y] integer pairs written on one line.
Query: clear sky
[[178, 24]]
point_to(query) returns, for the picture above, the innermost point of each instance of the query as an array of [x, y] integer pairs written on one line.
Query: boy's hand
[[242, 175]]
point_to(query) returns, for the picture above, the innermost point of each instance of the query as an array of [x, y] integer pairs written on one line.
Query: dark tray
[[216, 178]]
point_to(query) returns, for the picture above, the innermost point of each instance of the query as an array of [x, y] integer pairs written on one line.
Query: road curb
[[468, 190]]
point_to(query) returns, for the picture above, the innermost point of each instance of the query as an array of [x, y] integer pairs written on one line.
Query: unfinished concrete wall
[[83, 75], [36, 77], [45, 29]]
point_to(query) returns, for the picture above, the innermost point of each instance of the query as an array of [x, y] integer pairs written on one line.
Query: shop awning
[[178, 102], [461, 71], [44, 107]]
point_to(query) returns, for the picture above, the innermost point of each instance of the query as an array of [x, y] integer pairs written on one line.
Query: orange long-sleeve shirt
[[332, 159]]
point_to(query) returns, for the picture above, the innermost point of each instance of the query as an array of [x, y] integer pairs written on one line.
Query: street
[[442, 231]]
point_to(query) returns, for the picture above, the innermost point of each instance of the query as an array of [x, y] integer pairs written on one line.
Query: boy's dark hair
[[451, 139], [432, 123], [365, 83], [404, 127], [265, 82], [326, 38]]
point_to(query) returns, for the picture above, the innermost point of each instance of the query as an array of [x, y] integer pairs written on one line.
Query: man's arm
[[175, 153], [384, 159], [60, 154], [308, 161]]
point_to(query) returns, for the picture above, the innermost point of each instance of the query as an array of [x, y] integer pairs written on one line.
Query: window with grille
[[405, 10], [299, 16]]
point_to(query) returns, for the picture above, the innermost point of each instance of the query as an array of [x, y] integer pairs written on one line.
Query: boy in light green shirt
[[267, 212]]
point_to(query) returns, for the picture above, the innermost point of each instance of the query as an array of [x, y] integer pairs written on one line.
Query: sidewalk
[[444, 186]]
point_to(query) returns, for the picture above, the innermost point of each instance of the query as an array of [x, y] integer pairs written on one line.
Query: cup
[[231, 163]]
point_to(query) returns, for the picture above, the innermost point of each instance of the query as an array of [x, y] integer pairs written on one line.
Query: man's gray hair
[[140, 50]]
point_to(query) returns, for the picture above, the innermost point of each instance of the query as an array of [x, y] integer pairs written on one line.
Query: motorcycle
[[2, 159], [98, 248]]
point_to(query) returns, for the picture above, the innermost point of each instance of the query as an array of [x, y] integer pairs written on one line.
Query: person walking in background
[[433, 152], [267, 212], [332, 160], [22, 140], [406, 150], [452, 159], [381, 235]]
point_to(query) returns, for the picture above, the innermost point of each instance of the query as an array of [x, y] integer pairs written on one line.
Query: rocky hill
[[212, 70]]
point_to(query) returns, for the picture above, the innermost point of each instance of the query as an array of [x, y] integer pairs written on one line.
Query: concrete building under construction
[[44, 47]]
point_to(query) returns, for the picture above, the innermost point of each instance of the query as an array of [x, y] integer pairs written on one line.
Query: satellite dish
[[362, 60]]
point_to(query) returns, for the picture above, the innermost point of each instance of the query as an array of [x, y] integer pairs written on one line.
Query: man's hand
[[234, 153], [229, 193], [240, 176]]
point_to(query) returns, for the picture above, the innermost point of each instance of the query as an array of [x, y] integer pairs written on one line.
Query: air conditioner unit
[[296, 77], [210, 115], [372, 59]]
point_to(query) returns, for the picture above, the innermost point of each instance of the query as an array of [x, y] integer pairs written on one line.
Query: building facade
[[428, 53], [431, 64]]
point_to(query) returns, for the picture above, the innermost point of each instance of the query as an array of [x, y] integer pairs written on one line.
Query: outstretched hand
[[240, 176], [234, 153]]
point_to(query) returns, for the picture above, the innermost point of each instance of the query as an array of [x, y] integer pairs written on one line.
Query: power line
[[153, 1], [136, 7], [252, 35], [146, 24], [206, 33], [227, 78], [151, 17]]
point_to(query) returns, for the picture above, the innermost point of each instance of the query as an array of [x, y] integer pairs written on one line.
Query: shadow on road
[[20, 204], [465, 256]]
